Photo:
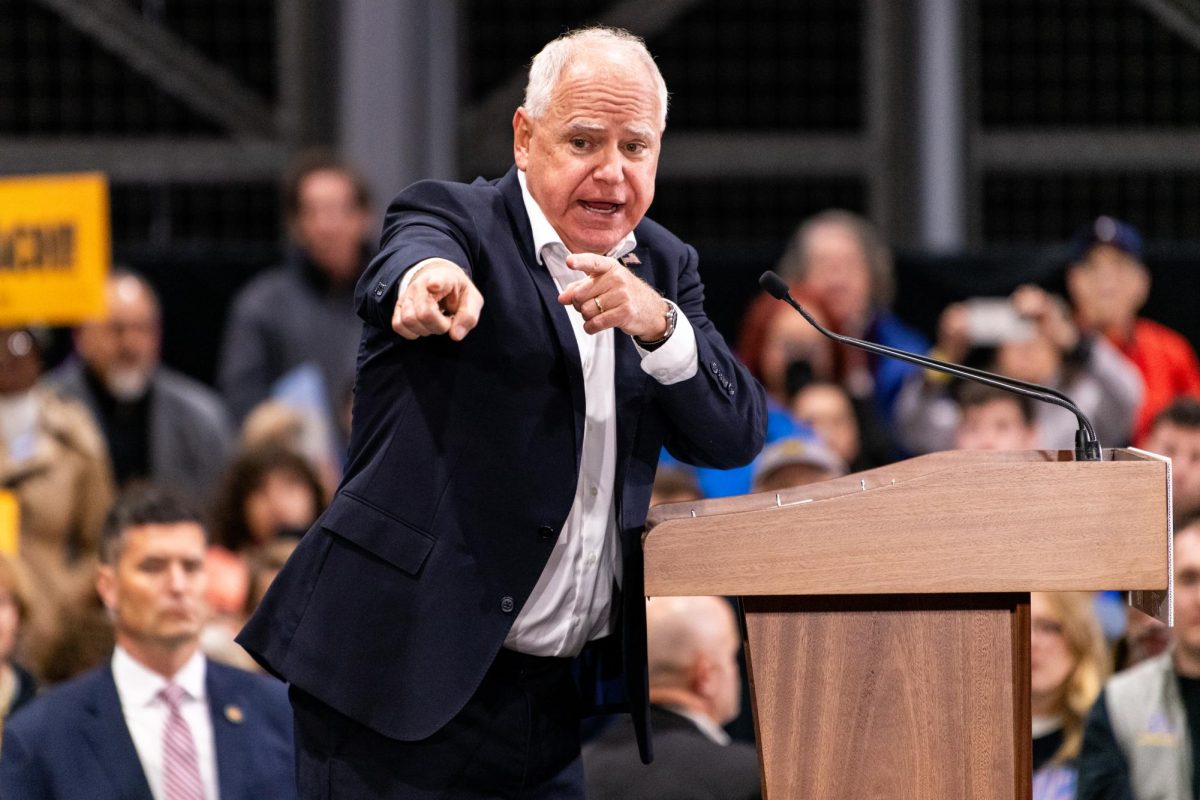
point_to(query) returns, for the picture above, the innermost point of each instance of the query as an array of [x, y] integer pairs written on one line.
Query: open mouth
[[599, 207]]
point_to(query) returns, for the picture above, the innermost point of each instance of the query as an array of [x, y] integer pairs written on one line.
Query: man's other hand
[[613, 297], [439, 299]]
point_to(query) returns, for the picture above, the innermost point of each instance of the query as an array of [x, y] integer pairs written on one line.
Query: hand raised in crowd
[[1050, 314], [440, 299], [613, 297]]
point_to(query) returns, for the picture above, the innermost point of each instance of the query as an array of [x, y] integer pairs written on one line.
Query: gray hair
[[548, 65], [793, 264]]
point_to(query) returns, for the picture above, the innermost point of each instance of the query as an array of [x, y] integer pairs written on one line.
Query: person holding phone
[[1030, 336]]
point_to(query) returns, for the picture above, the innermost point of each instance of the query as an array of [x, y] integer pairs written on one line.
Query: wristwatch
[[671, 314]]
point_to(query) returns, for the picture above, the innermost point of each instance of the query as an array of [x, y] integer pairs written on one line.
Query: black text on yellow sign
[[55, 248], [34, 247]]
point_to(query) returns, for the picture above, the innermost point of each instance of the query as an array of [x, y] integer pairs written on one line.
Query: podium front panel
[[901, 697]]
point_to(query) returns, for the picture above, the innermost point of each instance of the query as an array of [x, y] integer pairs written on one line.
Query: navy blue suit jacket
[[462, 468], [72, 743]]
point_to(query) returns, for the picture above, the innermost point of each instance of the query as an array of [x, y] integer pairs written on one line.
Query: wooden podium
[[887, 612]]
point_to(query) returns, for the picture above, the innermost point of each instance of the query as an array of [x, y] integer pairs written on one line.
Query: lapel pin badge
[[235, 714], [629, 259]]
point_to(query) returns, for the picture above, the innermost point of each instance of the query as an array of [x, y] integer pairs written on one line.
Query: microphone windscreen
[[773, 285]]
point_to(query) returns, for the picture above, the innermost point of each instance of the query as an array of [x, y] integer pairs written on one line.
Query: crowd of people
[[154, 510], [1115, 703]]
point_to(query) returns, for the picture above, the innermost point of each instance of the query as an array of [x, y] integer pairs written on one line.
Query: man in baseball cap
[[795, 461], [1108, 284]]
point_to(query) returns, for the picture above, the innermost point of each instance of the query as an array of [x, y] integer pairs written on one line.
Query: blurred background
[[978, 135]]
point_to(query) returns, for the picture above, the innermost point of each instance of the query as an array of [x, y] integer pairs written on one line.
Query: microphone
[[1087, 446]]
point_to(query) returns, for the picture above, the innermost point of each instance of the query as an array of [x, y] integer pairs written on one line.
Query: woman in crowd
[[268, 493], [1069, 662]]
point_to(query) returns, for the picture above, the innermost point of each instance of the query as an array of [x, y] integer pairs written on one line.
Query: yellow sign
[[55, 248], [10, 524]]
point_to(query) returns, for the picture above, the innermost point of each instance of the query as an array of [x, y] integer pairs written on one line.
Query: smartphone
[[993, 320]]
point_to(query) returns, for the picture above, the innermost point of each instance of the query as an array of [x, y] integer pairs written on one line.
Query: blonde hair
[[548, 65], [1085, 641]]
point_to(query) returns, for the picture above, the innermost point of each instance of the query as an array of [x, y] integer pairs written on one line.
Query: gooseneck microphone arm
[[1087, 445]]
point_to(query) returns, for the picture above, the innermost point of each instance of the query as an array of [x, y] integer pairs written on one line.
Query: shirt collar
[[140, 686], [544, 234]]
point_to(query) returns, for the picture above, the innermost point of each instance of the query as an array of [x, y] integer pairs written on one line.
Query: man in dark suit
[[695, 688], [159, 721], [476, 583]]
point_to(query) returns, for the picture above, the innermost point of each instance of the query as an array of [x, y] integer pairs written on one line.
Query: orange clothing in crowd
[[228, 580], [1168, 365]]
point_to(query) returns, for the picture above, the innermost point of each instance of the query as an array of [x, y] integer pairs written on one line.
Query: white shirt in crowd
[[146, 716]]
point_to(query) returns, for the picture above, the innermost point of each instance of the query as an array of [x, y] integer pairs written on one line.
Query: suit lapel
[[227, 711], [510, 190], [629, 377], [631, 381], [105, 731]]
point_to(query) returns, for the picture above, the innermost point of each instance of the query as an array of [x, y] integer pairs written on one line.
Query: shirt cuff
[[411, 273], [678, 359]]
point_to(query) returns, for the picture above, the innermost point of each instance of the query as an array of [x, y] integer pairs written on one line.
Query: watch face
[[672, 316]]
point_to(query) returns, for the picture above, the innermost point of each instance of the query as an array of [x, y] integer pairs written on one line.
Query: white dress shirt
[[146, 716], [571, 604]]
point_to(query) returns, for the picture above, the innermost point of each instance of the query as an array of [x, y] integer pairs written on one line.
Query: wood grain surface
[[899, 698], [951, 522], [887, 612]]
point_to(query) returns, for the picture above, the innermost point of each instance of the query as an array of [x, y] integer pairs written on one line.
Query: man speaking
[[530, 345]]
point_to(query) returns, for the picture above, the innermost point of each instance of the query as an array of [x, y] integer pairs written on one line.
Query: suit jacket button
[[545, 533], [506, 605]]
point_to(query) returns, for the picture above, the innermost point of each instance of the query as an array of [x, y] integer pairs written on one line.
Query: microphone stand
[[1087, 445]]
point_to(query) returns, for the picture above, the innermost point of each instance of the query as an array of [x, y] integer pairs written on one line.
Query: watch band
[[671, 314]]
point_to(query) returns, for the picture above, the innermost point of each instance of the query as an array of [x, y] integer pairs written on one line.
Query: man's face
[[994, 425], [590, 161], [1183, 446], [123, 350], [837, 272], [330, 224], [1108, 287], [1187, 591], [155, 590]]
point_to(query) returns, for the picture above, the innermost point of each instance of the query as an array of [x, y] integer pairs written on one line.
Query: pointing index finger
[[591, 264]]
